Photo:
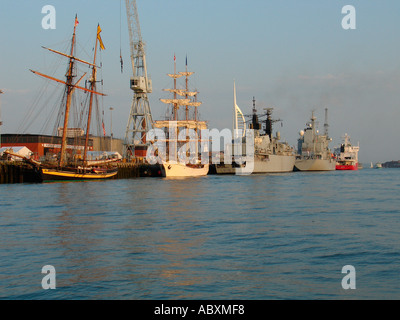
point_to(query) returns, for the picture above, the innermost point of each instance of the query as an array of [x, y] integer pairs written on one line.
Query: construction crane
[[140, 120]]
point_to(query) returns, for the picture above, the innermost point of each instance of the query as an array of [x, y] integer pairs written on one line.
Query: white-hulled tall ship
[[347, 155], [270, 154], [178, 161], [313, 149]]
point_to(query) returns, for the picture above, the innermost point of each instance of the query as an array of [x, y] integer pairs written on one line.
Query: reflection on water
[[283, 236]]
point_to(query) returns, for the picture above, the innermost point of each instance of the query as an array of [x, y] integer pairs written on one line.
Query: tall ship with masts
[[73, 163], [313, 148], [182, 127]]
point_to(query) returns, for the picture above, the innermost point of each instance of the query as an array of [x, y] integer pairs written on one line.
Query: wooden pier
[[19, 172], [14, 172], [134, 170]]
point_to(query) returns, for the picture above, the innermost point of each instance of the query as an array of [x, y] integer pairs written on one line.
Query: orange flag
[[99, 37]]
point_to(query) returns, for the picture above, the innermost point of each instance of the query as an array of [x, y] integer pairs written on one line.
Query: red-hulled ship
[[347, 155]]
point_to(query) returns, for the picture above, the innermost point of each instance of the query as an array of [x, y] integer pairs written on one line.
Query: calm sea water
[[280, 236]]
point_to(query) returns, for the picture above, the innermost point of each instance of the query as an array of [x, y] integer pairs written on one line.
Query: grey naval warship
[[270, 154], [313, 149]]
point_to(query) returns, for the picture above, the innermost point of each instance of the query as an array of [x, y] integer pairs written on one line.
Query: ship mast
[[189, 99], [93, 88], [189, 94], [187, 89], [187, 74], [69, 89], [313, 131], [326, 125], [175, 104]]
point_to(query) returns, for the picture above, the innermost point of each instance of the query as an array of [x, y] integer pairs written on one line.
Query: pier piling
[[15, 172]]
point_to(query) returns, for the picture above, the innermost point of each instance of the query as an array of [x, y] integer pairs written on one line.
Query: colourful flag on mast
[[99, 37], [122, 61], [76, 20], [104, 129]]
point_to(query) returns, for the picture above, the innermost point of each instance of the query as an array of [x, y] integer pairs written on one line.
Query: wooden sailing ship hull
[[181, 170], [63, 175]]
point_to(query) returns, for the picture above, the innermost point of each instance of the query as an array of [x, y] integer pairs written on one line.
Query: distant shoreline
[[391, 164]]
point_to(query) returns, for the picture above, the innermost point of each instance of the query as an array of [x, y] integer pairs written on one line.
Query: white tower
[[1, 121]]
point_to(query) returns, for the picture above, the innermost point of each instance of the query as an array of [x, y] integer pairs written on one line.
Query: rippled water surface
[[281, 236]]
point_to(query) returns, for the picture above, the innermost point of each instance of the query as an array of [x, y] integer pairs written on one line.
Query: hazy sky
[[292, 55]]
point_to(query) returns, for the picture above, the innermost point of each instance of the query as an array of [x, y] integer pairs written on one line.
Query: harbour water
[[277, 236]]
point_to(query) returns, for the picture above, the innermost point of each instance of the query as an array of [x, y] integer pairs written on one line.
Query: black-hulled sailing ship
[[69, 166]]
